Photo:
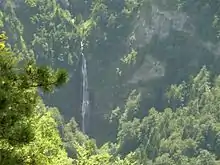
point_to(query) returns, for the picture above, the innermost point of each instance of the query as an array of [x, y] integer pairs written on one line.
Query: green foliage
[[131, 6], [130, 58], [31, 3], [187, 134], [87, 155], [28, 132], [84, 29]]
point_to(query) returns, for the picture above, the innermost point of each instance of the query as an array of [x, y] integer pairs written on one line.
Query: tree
[[186, 134], [28, 133]]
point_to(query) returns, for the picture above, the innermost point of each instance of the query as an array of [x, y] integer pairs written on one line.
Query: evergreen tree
[[28, 133]]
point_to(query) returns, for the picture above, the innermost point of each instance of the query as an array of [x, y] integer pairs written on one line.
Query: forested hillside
[[110, 82]]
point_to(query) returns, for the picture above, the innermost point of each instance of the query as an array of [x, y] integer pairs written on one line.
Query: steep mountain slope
[[130, 44]]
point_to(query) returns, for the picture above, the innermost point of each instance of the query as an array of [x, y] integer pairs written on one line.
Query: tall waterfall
[[85, 92]]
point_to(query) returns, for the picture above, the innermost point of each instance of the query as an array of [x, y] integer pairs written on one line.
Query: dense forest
[[110, 82]]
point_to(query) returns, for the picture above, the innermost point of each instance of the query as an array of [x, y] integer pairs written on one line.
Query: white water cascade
[[85, 92]]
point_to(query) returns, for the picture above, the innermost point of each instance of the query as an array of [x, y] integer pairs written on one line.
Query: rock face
[[149, 70], [214, 48], [160, 22]]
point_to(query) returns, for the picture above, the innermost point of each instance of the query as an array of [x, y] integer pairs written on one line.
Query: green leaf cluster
[[28, 133]]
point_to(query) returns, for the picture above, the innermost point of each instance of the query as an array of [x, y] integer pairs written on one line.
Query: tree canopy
[[28, 133]]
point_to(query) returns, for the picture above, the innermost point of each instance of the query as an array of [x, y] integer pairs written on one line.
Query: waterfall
[[85, 92]]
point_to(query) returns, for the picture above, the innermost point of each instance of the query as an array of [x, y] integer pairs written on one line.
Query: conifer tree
[[28, 133]]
